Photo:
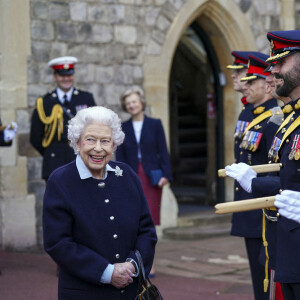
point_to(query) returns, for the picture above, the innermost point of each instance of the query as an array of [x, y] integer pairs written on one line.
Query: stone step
[[199, 225], [197, 232], [190, 194]]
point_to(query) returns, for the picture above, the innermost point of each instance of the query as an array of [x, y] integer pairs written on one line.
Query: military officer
[[256, 141], [239, 69], [285, 46], [48, 133]]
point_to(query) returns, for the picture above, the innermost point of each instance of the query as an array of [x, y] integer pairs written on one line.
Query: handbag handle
[[142, 276]]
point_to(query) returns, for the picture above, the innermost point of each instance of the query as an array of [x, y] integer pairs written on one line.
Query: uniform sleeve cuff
[[107, 274]]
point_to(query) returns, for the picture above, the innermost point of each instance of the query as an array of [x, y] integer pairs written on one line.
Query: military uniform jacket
[[89, 223], [270, 186], [288, 231], [249, 224], [58, 152], [245, 117]]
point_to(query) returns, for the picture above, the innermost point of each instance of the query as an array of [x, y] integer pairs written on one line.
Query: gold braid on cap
[[275, 57], [55, 120]]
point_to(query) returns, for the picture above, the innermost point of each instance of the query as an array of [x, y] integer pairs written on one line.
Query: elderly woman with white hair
[[96, 215]]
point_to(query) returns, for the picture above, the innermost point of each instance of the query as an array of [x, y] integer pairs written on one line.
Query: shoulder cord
[[55, 120]]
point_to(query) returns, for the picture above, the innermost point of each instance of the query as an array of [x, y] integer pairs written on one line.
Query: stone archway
[[228, 30]]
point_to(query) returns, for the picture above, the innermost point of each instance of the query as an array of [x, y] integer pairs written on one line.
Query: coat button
[[277, 215], [112, 218], [237, 189], [287, 140], [106, 200], [280, 191], [241, 152], [117, 255], [115, 236], [122, 291], [68, 110], [101, 185], [52, 154]]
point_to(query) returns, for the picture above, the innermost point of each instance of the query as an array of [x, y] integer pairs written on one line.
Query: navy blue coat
[[58, 152], [288, 231], [79, 231], [249, 224], [153, 147], [270, 186]]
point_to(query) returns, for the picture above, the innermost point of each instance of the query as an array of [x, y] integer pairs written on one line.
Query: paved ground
[[208, 269]]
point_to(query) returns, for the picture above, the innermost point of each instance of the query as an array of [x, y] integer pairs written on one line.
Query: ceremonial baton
[[258, 169], [244, 205]]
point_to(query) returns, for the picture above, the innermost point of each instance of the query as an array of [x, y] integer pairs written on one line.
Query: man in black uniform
[[239, 70], [285, 46], [48, 133], [256, 141]]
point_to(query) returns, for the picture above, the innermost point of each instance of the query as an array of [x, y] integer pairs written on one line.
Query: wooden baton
[[258, 169], [244, 205]]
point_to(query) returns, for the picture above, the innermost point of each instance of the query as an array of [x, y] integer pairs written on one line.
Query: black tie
[[66, 102]]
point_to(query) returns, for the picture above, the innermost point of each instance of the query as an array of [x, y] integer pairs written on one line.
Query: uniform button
[[244, 107], [269, 162], [237, 189], [122, 291], [115, 236], [280, 191], [117, 255], [277, 215], [241, 152], [112, 218], [292, 119], [236, 142], [52, 154], [106, 200], [101, 185], [287, 140]]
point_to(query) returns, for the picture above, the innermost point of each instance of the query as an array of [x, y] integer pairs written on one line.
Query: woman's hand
[[122, 275], [163, 181]]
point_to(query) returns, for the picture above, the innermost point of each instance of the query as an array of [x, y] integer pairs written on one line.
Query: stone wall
[[111, 39]]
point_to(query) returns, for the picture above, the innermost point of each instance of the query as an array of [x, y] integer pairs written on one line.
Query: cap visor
[[235, 67], [64, 72], [252, 77], [278, 56]]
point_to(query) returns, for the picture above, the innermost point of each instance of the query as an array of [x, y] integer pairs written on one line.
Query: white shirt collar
[[61, 93], [85, 173]]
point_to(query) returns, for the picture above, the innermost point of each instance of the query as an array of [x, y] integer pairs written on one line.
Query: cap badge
[[66, 66]]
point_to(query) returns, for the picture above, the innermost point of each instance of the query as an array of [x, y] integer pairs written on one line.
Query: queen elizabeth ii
[[95, 214]]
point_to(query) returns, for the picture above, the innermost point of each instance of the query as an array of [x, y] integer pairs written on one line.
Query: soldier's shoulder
[[81, 92], [277, 115]]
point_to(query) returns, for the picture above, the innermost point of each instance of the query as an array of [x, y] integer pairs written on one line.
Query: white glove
[[243, 174], [10, 132], [288, 203]]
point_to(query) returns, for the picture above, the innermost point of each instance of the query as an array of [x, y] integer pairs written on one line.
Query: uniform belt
[[269, 217]]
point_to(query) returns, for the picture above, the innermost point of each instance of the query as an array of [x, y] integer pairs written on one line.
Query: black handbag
[[146, 290]]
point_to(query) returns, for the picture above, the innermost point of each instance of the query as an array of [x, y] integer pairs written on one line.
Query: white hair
[[98, 114]]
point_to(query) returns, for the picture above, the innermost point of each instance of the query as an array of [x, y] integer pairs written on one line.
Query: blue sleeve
[[265, 186], [107, 274]]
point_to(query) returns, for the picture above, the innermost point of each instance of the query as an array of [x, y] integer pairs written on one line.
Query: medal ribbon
[[258, 119]]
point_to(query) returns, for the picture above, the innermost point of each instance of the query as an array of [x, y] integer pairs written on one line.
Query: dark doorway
[[196, 121]]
